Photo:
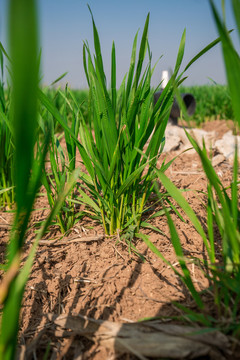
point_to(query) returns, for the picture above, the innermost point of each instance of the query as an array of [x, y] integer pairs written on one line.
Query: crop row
[[212, 101]]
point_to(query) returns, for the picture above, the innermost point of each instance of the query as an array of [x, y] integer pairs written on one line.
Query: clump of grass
[[63, 164], [118, 129], [223, 276], [222, 212], [124, 136]]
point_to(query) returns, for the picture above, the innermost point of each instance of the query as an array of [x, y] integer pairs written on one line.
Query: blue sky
[[64, 24]]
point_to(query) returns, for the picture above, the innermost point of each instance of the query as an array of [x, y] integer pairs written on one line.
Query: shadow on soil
[[40, 334]]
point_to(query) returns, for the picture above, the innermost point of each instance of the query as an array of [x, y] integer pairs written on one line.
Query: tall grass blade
[[234, 191], [180, 52], [113, 79], [202, 52], [132, 66], [24, 48], [59, 78], [178, 197], [179, 252], [23, 44], [4, 52], [231, 239], [98, 52], [236, 7], [142, 50]]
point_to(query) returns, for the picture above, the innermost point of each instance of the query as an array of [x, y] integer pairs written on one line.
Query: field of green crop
[[119, 136], [212, 101]]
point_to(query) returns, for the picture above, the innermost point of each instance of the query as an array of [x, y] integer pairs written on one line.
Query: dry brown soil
[[101, 279]]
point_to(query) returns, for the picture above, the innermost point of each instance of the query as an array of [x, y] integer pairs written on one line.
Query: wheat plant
[[222, 212]]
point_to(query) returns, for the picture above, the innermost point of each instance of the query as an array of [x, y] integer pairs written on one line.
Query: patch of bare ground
[[88, 275]]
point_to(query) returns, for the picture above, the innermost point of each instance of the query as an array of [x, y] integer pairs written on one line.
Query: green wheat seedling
[[121, 127], [223, 274], [27, 170], [123, 136], [222, 211], [23, 40], [62, 165]]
